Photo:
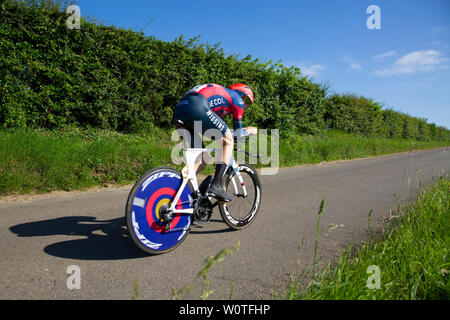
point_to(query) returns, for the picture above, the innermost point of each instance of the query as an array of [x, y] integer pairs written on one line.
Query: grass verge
[[410, 261], [335, 145], [39, 161]]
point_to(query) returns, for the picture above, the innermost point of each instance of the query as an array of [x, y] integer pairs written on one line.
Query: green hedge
[[357, 114], [111, 78], [354, 114]]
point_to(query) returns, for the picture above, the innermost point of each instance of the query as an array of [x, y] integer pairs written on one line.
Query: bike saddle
[[177, 123]]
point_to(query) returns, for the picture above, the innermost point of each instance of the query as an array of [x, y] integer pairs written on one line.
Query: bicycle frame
[[189, 175], [160, 211]]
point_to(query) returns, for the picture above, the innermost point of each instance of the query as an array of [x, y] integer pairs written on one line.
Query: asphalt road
[[41, 238]]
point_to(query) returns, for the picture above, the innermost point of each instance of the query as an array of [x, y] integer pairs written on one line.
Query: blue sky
[[404, 65]]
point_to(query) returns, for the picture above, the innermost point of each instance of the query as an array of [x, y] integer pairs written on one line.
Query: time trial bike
[[165, 203]]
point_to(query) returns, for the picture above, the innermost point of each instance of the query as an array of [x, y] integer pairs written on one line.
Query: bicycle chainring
[[203, 210]]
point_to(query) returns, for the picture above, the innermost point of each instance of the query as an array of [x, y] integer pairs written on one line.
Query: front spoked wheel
[[241, 211], [149, 197]]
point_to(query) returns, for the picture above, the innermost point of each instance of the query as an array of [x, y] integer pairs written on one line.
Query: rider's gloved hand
[[252, 131]]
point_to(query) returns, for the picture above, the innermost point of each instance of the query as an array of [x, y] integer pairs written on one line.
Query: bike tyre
[[146, 240], [227, 216]]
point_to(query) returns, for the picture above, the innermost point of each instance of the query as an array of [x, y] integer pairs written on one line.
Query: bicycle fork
[[189, 175], [234, 166]]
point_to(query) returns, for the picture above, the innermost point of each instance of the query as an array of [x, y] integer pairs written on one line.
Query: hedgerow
[[111, 78]]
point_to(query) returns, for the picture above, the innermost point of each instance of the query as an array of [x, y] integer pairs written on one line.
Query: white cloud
[[352, 64], [416, 61], [307, 69], [311, 70], [383, 55]]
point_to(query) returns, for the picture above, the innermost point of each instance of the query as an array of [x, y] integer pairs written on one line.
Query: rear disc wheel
[[147, 200]]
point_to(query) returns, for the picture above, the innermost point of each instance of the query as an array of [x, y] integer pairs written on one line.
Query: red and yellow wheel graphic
[[156, 189], [159, 198]]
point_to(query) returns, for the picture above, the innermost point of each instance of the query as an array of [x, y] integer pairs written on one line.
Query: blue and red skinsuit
[[223, 101], [197, 104]]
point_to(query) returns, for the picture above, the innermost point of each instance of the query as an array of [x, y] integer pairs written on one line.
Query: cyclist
[[210, 103]]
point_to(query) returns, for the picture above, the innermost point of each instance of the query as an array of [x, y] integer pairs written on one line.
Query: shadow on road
[[104, 239], [214, 222]]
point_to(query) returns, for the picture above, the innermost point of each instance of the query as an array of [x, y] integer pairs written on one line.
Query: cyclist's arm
[[239, 131]]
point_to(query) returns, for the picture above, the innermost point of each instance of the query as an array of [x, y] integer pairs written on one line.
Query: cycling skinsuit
[[210, 103]]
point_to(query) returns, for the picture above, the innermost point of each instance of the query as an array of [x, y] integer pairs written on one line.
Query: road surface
[[42, 238]]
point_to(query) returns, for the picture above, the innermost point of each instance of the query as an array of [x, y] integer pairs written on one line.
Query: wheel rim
[[241, 210]]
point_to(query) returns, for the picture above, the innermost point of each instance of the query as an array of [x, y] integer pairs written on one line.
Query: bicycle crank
[[203, 210]]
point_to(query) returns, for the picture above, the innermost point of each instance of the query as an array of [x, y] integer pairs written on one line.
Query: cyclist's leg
[[201, 163], [227, 149], [193, 108], [212, 123], [186, 111]]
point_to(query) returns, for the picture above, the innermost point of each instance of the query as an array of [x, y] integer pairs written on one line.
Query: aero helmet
[[244, 91]]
